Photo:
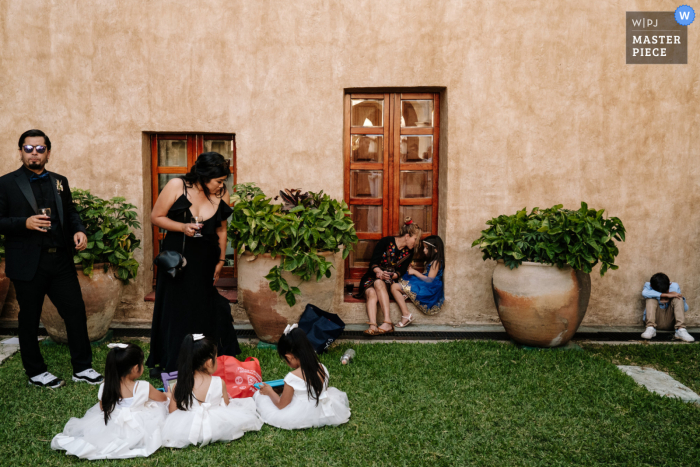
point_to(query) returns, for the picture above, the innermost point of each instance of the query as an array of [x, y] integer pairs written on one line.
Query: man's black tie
[[36, 178]]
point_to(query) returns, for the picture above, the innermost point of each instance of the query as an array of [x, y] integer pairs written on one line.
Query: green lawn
[[455, 403]]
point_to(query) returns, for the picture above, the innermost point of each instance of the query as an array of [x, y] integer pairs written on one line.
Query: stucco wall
[[542, 110]]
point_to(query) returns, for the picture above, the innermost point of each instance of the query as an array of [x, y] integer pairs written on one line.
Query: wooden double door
[[391, 149]]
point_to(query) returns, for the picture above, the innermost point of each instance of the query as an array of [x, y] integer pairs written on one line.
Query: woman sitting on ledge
[[390, 261]]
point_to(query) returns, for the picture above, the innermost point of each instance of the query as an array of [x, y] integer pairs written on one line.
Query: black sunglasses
[[28, 148]]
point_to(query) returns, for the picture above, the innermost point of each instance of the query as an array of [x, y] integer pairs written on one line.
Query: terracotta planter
[[540, 305], [101, 294], [267, 311], [4, 284]]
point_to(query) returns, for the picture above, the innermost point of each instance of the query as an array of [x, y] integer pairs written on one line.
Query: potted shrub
[[541, 284], [106, 263], [286, 253], [4, 280]]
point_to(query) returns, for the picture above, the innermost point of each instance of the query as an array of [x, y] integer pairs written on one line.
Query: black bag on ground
[[321, 327]]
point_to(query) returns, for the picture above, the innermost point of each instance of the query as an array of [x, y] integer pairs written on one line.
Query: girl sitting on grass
[[127, 420], [200, 409], [306, 399], [426, 291]]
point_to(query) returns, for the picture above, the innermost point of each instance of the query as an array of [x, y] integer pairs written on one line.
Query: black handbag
[[321, 327], [170, 260]]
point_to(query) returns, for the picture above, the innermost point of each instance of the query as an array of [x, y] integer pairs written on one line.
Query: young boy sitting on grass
[[664, 303]]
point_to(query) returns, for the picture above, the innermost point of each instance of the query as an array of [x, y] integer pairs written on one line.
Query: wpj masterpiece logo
[[658, 37]]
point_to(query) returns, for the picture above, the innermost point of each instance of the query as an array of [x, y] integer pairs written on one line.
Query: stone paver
[[8, 347], [660, 383]]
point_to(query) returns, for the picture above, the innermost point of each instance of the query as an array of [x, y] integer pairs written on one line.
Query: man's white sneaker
[[89, 376], [46, 380], [683, 335], [649, 333]]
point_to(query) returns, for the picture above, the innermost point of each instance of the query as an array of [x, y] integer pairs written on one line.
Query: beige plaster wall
[[542, 110]]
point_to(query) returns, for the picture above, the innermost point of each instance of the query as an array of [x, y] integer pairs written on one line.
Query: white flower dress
[[133, 429], [211, 420], [333, 408]]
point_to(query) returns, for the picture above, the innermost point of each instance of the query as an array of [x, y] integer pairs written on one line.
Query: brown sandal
[[373, 332], [387, 332]]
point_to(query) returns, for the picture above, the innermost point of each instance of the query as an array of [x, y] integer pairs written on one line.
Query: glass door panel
[[416, 113], [368, 219], [367, 112], [366, 184], [367, 148], [172, 153], [416, 149], [416, 184]]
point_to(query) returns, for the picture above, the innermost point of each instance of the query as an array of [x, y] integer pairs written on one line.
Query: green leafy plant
[[581, 238], [110, 228], [298, 231]]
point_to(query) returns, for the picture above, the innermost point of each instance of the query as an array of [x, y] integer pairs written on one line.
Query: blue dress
[[427, 296]]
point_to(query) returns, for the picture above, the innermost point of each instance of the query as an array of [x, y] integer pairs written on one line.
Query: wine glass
[[198, 223], [390, 270], [46, 212]]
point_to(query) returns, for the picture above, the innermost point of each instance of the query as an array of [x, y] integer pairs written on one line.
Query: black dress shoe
[[46, 380], [89, 376]]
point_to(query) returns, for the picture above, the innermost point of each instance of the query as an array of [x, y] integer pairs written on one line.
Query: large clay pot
[[4, 284], [269, 312], [101, 295], [540, 304]]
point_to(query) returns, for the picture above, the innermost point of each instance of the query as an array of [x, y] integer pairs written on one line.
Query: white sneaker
[[89, 376], [682, 334], [649, 333], [46, 380]]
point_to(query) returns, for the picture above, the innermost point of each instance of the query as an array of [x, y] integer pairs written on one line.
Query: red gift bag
[[238, 376]]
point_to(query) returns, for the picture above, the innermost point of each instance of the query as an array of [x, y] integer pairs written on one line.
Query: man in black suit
[[39, 258]]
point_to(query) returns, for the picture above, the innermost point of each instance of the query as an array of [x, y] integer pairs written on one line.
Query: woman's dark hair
[[30, 133], [193, 355], [209, 165], [119, 363], [296, 343], [660, 282], [436, 250]]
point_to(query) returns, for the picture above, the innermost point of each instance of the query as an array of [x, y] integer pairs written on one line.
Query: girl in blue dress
[[426, 291]]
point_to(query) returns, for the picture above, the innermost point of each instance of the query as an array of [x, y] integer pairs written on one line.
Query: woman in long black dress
[[390, 254], [189, 303]]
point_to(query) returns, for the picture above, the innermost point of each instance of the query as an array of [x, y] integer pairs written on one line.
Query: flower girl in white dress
[[200, 409], [306, 399], [128, 419]]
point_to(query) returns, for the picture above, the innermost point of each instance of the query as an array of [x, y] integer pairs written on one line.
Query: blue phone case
[[274, 383]]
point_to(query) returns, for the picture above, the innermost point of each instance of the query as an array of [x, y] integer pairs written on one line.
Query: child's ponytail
[[296, 343], [193, 356], [120, 362]]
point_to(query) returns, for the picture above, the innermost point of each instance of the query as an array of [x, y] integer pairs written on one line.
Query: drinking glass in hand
[[391, 271], [45, 212], [198, 223]]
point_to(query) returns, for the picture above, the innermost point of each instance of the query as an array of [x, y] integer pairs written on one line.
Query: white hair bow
[[289, 328], [117, 346], [196, 337]]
